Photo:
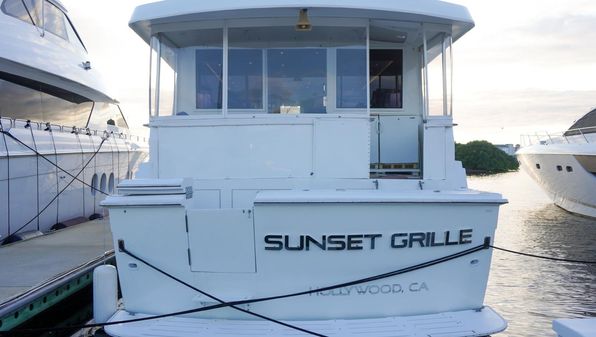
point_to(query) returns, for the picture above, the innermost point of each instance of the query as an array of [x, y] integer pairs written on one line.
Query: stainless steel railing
[[68, 129], [571, 136]]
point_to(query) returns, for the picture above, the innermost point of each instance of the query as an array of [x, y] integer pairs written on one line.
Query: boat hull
[[284, 246], [566, 173], [29, 184]]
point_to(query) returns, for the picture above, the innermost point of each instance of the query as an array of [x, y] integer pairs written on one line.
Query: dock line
[[75, 178], [550, 258], [122, 248]]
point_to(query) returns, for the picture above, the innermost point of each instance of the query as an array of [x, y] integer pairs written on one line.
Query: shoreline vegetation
[[482, 157]]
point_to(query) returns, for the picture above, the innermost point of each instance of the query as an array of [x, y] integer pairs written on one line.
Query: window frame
[[331, 79], [404, 101]]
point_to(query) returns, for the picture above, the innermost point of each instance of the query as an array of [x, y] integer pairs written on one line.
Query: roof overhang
[[147, 19]]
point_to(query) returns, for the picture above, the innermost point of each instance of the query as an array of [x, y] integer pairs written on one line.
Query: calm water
[[530, 293]]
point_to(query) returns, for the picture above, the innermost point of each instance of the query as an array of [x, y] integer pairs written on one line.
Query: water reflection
[[530, 293]]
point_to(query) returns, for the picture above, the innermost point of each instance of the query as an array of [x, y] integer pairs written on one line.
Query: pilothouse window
[[245, 79], [26, 10], [297, 80], [386, 78], [209, 78], [351, 78], [273, 69], [54, 20]]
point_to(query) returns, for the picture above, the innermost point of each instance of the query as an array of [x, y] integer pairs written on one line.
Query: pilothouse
[[279, 126]]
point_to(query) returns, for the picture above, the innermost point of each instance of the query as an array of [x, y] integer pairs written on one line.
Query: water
[[527, 292]]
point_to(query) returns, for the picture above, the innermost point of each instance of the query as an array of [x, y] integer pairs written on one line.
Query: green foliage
[[481, 156]]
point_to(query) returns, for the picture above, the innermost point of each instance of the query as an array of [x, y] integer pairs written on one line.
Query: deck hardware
[[121, 247], [487, 242]]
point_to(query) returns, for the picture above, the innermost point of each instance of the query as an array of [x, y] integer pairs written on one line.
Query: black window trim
[[45, 88]]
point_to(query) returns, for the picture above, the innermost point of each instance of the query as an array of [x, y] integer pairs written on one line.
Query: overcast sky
[[528, 66]]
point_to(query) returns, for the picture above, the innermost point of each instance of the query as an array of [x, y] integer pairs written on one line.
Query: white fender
[[105, 293]]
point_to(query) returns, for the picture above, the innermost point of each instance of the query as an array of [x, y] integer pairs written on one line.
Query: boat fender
[[105, 293], [58, 226], [21, 236]]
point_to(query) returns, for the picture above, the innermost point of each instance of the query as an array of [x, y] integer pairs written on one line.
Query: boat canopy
[[586, 124], [153, 18]]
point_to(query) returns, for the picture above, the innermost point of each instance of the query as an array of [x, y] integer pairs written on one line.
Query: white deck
[[578, 327], [453, 324]]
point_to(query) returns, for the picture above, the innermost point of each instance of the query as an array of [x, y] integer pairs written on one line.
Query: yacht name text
[[367, 241]]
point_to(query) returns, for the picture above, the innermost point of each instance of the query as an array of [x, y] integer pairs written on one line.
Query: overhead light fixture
[[303, 25]]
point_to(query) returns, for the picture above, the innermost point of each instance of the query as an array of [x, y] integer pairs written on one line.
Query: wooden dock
[[40, 272]]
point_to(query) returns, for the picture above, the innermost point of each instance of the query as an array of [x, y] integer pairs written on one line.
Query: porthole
[[111, 183], [538, 166], [569, 169], [559, 168], [102, 183], [94, 184]]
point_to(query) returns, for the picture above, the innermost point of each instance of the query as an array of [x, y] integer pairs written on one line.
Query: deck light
[[303, 25]]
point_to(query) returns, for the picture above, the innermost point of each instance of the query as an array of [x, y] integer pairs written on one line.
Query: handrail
[[578, 135], [71, 129]]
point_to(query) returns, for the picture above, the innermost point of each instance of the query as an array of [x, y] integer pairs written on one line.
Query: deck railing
[[572, 136], [68, 129]]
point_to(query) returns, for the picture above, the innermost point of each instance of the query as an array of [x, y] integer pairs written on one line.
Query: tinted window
[[59, 111], [209, 83], [20, 102], [54, 20], [386, 78], [351, 78], [17, 9], [26, 103], [106, 114], [297, 80], [73, 36], [245, 79]]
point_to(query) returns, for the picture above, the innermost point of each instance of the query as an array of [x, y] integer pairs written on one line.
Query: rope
[[51, 162], [60, 192], [222, 302], [229, 304], [544, 257]]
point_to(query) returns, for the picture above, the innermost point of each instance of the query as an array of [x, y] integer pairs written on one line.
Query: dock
[[40, 272]]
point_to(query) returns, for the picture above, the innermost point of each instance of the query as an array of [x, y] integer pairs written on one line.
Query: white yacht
[[564, 165], [54, 113], [302, 151]]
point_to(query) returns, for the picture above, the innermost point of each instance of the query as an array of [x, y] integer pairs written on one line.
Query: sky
[[529, 66]]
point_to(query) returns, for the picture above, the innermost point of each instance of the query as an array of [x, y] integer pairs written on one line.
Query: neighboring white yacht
[[564, 165], [302, 149], [52, 102]]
